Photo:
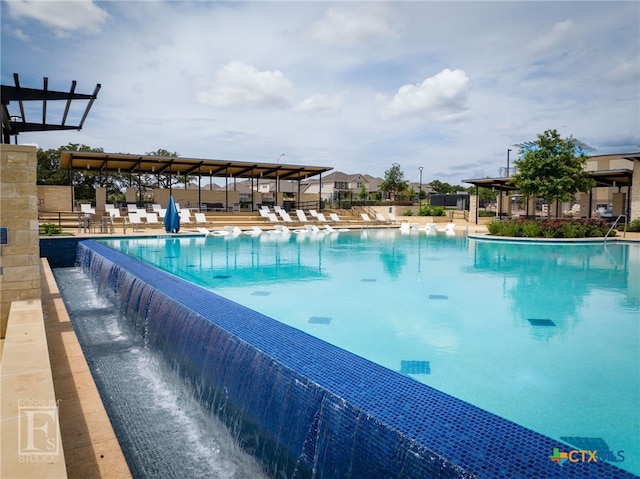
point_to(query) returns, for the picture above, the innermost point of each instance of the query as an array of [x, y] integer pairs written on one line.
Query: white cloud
[[354, 25], [20, 35], [63, 16], [558, 36], [442, 97], [239, 84], [624, 73], [320, 103]]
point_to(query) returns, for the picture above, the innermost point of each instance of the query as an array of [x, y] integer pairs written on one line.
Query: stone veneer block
[[18, 213]]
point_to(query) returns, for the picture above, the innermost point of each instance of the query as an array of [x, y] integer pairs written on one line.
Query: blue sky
[[356, 86]]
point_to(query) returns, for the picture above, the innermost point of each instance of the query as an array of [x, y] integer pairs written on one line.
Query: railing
[[615, 223]]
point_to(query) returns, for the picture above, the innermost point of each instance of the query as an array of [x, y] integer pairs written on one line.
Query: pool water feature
[[440, 266], [163, 431]]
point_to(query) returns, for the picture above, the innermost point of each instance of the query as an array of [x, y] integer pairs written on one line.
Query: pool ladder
[[615, 223]]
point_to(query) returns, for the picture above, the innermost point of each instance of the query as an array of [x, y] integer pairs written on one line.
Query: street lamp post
[[508, 151], [420, 194]]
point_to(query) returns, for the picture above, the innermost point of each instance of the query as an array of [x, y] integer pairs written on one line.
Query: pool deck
[[90, 446]]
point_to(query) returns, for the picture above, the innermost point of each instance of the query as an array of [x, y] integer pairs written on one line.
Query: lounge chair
[[430, 228], [203, 231], [448, 229], [313, 213], [185, 215], [135, 221], [365, 218], [152, 219], [301, 216], [392, 218], [405, 228], [321, 218], [380, 217], [254, 231], [200, 218], [273, 218], [285, 217], [335, 218]]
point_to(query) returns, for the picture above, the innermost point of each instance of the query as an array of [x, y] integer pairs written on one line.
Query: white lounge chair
[[430, 228], [273, 218], [365, 218], [392, 218], [380, 217], [135, 221], [448, 229], [322, 218], [313, 213], [254, 231], [203, 231], [152, 219], [405, 228], [200, 218], [301, 216], [185, 215], [335, 218], [285, 216]]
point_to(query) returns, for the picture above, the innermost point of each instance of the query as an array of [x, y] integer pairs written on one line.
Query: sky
[[356, 86]]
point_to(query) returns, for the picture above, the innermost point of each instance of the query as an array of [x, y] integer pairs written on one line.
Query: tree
[[363, 193], [394, 181], [49, 173], [443, 188], [553, 169]]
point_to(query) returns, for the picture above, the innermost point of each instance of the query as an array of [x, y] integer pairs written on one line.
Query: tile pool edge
[[383, 424]]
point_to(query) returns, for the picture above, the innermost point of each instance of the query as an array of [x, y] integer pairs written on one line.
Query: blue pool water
[[544, 335]]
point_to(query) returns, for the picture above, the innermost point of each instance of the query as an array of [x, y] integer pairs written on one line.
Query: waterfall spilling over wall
[[306, 408]]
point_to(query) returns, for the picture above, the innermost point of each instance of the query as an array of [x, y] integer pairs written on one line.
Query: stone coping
[[53, 422]]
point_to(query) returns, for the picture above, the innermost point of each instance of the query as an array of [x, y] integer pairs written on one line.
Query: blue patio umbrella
[[171, 217]]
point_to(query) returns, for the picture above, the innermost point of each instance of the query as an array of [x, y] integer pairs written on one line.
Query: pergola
[[211, 168], [603, 178], [14, 124]]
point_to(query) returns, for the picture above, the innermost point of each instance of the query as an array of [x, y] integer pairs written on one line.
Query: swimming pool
[[544, 335]]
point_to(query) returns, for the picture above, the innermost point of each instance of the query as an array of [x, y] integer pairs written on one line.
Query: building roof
[[80, 160]]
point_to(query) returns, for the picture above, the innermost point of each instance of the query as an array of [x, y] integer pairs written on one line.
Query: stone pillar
[[473, 209], [20, 258], [618, 204], [635, 191], [131, 195], [101, 198]]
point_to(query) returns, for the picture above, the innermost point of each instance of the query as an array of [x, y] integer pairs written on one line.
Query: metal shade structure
[[12, 125], [141, 164]]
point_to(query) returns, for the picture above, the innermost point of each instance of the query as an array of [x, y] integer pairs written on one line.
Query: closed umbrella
[[171, 217]]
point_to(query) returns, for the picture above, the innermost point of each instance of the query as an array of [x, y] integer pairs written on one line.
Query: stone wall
[[19, 259], [55, 198]]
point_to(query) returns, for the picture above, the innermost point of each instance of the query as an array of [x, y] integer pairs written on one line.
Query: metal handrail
[[615, 223]]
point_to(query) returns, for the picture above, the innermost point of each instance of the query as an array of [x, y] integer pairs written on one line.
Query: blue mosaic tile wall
[[306, 408], [59, 250]]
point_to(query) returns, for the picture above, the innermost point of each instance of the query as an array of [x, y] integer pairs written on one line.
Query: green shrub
[[484, 213], [49, 229], [531, 229], [428, 210], [578, 228], [408, 213], [633, 226], [512, 228], [569, 229]]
